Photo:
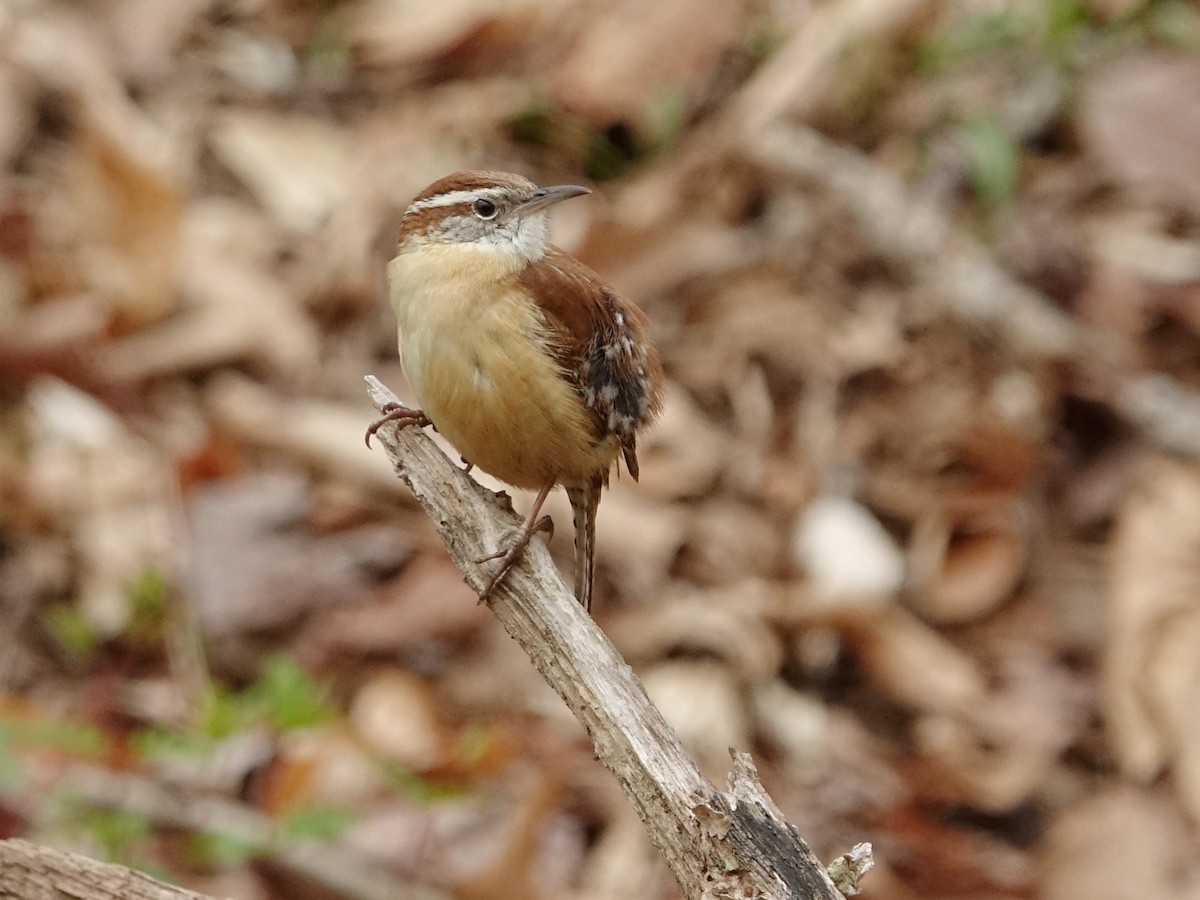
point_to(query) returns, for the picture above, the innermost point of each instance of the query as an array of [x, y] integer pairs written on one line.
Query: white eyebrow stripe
[[453, 198]]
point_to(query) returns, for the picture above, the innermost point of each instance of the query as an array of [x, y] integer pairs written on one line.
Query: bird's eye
[[485, 209]]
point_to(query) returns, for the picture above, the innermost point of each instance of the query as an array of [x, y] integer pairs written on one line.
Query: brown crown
[[473, 181]]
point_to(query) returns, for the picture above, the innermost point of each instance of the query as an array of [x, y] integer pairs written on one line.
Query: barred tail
[[585, 500]]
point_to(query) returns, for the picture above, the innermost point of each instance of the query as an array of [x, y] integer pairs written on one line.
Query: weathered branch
[[732, 843], [31, 872], [718, 844]]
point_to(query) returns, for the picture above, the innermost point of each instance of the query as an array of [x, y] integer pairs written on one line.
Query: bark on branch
[[732, 843], [32, 872]]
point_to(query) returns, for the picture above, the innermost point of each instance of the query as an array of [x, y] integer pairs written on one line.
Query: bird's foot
[[395, 412], [510, 554]]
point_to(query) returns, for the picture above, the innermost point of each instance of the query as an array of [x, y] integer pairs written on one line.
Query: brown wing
[[602, 345]]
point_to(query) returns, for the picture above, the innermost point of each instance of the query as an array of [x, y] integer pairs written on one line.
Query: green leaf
[[74, 633], [664, 119], [1176, 23], [121, 833], [977, 37], [219, 851], [994, 162], [320, 823], [474, 745], [292, 697], [147, 606], [420, 789], [533, 125], [286, 697], [605, 158], [13, 773], [1064, 26], [224, 713], [152, 744], [63, 735]]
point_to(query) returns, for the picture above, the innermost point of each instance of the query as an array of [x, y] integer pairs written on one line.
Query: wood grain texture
[[32, 872], [717, 843]]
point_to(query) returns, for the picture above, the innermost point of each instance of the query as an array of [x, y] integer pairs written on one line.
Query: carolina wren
[[536, 371]]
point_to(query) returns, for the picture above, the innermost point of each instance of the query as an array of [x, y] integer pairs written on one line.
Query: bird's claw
[[510, 554], [395, 412]]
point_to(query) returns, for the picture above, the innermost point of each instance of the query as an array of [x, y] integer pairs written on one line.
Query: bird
[[535, 369]]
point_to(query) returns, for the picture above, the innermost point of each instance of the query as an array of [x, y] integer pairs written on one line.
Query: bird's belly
[[500, 399]]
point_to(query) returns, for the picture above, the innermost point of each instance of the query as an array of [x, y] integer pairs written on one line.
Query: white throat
[[524, 239]]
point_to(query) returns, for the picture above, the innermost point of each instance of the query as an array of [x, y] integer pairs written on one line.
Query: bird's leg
[[509, 555], [395, 412]]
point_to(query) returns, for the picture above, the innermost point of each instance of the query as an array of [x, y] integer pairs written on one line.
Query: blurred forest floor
[[920, 526]]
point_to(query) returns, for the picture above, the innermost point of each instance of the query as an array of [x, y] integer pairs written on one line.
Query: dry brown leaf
[[846, 553], [615, 74], [395, 714], [656, 258], [1173, 686], [299, 168], [930, 858], [493, 678], [978, 570], [1154, 589], [725, 624], [622, 863], [147, 34], [326, 436], [256, 63], [702, 701], [800, 73], [536, 860], [321, 767], [115, 193], [762, 318], [427, 603], [256, 567], [1141, 118], [458, 838], [1138, 242], [1122, 844], [238, 309], [243, 883], [916, 666], [113, 492], [730, 542], [682, 453], [405, 34], [1119, 302], [128, 212], [637, 539], [796, 725], [1094, 495], [15, 117], [994, 756]]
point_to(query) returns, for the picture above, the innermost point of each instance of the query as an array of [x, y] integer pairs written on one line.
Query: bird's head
[[491, 211]]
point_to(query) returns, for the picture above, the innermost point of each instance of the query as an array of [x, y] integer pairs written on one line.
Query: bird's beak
[[543, 197]]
